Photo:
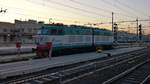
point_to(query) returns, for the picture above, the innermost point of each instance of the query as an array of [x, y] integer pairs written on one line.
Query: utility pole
[[112, 21], [128, 28], [137, 29]]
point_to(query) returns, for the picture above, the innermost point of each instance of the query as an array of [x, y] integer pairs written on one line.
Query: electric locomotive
[[71, 39]]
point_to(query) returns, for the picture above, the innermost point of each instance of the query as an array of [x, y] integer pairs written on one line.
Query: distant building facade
[[6, 30], [26, 30], [29, 27], [19, 31]]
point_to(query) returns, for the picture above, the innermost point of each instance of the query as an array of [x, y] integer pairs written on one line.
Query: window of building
[[22, 30], [5, 30]]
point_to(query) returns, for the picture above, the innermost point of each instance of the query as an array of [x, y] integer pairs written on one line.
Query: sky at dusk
[[81, 12]]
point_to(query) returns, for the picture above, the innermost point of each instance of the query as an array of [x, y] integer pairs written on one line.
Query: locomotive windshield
[[39, 32], [42, 31], [50, 31]]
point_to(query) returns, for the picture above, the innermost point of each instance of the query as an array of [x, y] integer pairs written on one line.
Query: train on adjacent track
[[124, 37], [72, 39]]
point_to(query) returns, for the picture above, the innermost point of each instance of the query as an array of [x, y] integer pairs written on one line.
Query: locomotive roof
[[73, 26]]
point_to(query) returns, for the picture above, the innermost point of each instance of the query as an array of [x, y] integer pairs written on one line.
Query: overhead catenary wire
[[84, 4], [93, 23], [100, 9], [120, 8], [20, 12], [73, 12], [131, 8], [79, 9], [69, 6], [121, 23], [46, 18], [25, 15], [84, 14], [47, 6], [57, 19]]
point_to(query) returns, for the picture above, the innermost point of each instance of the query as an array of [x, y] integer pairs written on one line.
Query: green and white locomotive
[[72, 39]]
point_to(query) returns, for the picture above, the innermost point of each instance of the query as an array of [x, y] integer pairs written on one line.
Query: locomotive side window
[[60, 32], [53, 32], [56, 32], [42, 31]]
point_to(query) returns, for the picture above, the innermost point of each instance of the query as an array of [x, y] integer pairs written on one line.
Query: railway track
[[69, 74], [139, 74]]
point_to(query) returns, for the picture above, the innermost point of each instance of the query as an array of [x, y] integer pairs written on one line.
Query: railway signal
[[115, 32], [140, 32]]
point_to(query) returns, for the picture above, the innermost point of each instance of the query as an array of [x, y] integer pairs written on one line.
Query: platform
[[13, 49], [16, 57], [24, 67]]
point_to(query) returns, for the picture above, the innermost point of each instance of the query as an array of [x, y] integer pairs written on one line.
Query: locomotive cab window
[[60, 32], [53, 32], [56, 32]]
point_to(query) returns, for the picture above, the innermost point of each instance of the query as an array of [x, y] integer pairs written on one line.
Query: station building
[[6, 32], [25, 30], [18, 31]]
